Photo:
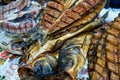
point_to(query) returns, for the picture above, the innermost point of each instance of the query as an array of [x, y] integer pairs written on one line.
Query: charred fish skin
[[44, 65], [12, 7], [18, 27], [18, 17], [72, 56], [28, 73], [49, 61], [37, 48], [63, 17], [79, 23], [103, 55], [77, 51]]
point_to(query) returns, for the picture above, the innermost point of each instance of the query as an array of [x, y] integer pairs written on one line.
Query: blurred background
[[113, 4]]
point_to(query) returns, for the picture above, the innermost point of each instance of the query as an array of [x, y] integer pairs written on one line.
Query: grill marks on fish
[[53, 13], [86, 18], [12, 7], [105, 64], [20, 24], [66, 16], [20, 27]]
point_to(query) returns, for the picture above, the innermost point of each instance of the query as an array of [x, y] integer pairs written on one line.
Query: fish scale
[[106, 65]]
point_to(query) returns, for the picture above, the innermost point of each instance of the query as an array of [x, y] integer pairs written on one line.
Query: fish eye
[[15, 46], [23, 44]]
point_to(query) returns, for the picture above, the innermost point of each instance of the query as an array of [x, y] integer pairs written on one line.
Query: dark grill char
[[21, 22], [12, 7], [104, 52], [58, 15], [68, 17]]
